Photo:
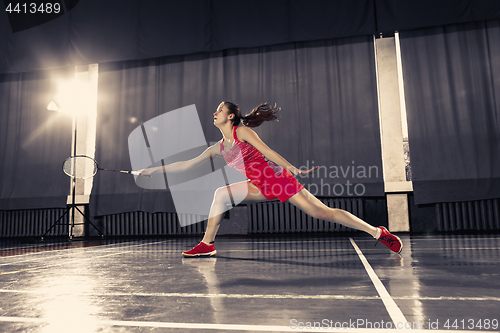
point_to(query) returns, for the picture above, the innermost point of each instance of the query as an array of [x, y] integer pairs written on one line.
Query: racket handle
[[135, 173]]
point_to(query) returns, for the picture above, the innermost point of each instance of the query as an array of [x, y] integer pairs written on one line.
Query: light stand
[[73, 207]]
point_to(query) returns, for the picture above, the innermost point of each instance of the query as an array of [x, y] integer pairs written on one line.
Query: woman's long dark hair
[[257, 116]]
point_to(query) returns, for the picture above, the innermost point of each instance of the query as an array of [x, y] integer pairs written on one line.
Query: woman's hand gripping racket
[[83, 167]]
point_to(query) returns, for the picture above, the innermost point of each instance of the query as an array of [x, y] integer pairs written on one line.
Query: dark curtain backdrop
[[452, 87], [329, 117], [33, 143], [397, 15], [96, 31]]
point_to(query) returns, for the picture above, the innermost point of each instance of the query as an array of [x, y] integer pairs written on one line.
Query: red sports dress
[[274, 181]]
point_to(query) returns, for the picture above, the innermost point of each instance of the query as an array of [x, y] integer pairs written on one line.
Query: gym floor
[[254, 284]]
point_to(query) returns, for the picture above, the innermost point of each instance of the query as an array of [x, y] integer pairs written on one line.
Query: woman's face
[[222, 115]]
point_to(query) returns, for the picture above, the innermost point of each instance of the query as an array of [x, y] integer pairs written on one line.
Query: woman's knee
[[221, 195]]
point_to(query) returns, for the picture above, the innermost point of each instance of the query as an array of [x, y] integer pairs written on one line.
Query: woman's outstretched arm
[[182, 166], [249, 135]]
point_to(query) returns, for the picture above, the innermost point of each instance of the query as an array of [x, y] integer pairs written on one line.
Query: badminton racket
[[83, 167]]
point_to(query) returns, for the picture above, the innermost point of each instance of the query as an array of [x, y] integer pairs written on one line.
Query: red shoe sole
[[208, 254]]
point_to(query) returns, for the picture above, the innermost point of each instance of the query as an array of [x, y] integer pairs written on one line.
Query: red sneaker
[[200, 250], [391, 241]]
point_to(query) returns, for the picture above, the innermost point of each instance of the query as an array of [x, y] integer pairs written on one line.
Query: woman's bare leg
[[315, 208], [241, 192]]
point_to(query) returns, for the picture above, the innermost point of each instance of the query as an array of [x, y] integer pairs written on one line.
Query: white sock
[[379, 231]]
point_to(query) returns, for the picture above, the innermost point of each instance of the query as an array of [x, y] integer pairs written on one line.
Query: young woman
[[269, 176]]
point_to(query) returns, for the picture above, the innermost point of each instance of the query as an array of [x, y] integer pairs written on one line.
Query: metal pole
[[73, 191]]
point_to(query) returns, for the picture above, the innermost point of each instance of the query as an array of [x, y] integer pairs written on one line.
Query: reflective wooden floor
[[287, 284]]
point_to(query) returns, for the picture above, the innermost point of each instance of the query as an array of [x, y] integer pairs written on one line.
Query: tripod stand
[[73, 207]]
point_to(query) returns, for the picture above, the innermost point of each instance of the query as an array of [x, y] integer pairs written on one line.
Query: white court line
[[111, 253], [391, 306], [203, 326], [454, 237], [39, 258], [17, 247], [98, 248], [198, 295], [61, 264], [254, 296]]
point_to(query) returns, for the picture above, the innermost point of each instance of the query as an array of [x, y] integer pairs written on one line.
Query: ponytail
[[257, 116], [260, 114]]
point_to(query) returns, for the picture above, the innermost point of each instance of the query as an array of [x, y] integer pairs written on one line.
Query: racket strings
[[80, 167]]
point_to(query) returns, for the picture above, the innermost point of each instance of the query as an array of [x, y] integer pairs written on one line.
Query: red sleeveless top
[[274, 181]]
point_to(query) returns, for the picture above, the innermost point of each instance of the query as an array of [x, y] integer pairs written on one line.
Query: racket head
[[80, 167]]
